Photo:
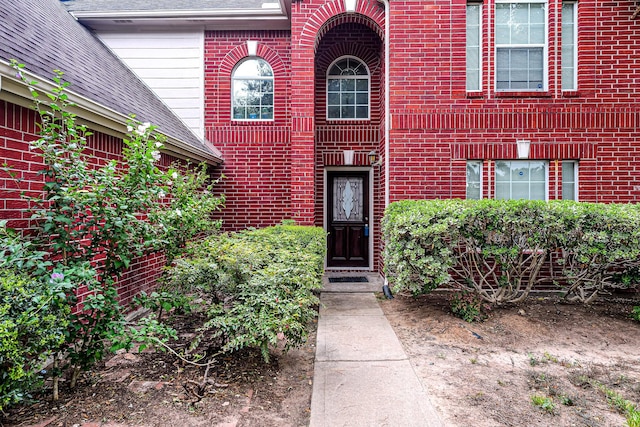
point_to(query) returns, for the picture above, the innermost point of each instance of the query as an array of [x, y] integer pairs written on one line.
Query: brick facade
[[276, 169], [435, 124], [17, 128]]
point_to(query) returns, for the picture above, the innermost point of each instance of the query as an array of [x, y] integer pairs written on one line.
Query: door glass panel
[[348, 199]]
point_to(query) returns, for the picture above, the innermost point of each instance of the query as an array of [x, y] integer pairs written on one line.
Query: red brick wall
[[257, 155], [437, 125], [17, 128]]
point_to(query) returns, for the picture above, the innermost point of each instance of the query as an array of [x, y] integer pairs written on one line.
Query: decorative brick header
[[506, 150], [254, 134], [496, 118]]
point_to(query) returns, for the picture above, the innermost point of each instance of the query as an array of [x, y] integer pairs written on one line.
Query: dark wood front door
[[348, 219]]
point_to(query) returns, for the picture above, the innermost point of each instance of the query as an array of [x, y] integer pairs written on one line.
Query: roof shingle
[[44, 36]]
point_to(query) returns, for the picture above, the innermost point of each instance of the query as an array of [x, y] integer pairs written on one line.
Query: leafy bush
[[33, 322], [497, 249], [258, 284], [599, 247], [113, 212]]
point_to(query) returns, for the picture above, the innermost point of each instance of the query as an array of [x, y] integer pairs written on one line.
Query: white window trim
[[480, 45], [546, 176], [576, 165], [326, 91], [575, 46], [545, 48], [233, 82], [480, 182]]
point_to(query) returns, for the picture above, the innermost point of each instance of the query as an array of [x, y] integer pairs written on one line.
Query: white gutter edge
[[199, 14], [110, 121], [387, 114]]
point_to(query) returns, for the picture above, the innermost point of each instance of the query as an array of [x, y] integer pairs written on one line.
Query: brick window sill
[[570, 94], [475, 94]]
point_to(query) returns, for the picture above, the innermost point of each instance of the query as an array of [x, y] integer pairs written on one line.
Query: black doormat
[[348, 279]]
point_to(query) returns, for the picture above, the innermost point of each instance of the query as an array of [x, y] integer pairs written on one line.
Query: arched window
[[348, 90], [252, 90]]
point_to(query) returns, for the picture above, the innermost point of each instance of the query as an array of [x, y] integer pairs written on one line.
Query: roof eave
[[276, 18], [179, 14], [100, 117]]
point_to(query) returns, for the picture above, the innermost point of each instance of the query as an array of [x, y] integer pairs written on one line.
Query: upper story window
[[521, 46], [252, 90], [348, 90], [569, 45], [474, 47]]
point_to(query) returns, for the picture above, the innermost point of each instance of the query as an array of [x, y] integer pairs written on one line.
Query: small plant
[[635, 313], [565, 400], [543, 402], [468, 307], [533, 360], [626, 407], [163, 302]]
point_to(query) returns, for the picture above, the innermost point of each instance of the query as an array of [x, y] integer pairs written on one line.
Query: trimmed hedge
[[501, 250], [257, 284]]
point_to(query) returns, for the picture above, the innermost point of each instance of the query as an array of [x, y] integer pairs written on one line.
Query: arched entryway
[[348, 114]]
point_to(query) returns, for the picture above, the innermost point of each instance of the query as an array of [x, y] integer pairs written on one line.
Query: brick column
[[302, 120]]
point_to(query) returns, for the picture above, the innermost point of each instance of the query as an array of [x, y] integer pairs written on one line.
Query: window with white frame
[[569, 45], [474, 46], [474, 179], [521, 179], [252, 90], [521, 45], [569, 180], [348, 90]]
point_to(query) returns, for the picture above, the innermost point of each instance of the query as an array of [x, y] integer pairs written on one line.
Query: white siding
[[172, 64]]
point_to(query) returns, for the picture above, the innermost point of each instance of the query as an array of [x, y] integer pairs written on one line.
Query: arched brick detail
[[237, 54], [370, 57], [332, 13], [240, 52]]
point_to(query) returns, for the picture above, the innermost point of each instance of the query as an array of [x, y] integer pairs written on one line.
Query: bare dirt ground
[[482, 374], [485, 374], [153, 389]]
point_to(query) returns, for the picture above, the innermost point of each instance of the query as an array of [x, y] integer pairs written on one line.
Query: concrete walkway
[[362, 375]]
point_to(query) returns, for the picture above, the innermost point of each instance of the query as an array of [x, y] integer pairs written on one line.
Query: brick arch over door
[[237, 54], [332, 13]]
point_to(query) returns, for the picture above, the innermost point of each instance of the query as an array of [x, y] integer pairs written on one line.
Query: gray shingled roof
[[155, 5], [44, 36]]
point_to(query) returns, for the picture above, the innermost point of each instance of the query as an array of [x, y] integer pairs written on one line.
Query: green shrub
[[496, 249], [467, 306], [635, 313], [258, 284], [33, 321], [600, 247]]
